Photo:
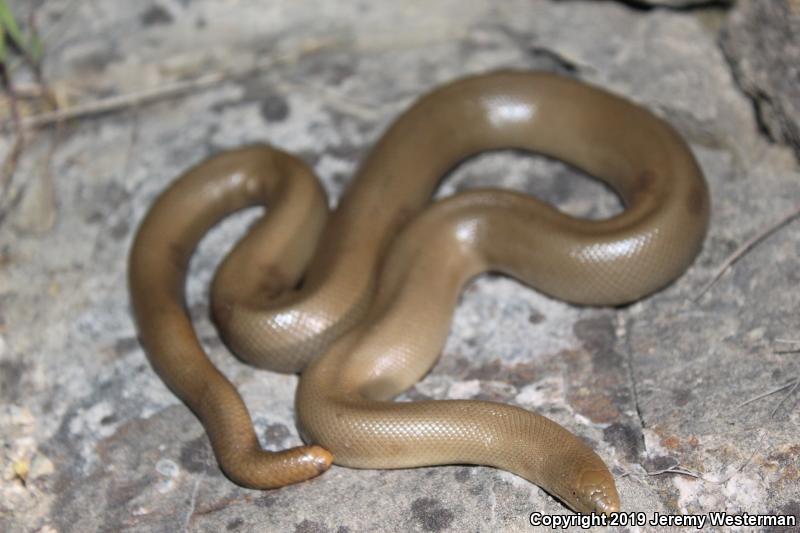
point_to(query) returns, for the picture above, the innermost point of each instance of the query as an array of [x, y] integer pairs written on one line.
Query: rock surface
[[91, 440], [679, 4], [762, 42]]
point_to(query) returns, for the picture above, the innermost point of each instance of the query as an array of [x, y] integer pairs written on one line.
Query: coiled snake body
[[372, 286]]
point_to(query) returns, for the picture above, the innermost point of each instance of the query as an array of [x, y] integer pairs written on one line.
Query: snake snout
[[598, 492]]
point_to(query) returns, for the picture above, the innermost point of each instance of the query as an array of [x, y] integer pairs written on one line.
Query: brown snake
[[372, 287]]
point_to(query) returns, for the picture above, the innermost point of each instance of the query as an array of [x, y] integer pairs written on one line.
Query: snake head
[[595, 491]]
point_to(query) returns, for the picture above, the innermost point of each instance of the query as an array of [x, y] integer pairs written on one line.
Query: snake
[[358, 299]]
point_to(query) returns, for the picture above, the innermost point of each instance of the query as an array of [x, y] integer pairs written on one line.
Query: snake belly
[[371, 288]]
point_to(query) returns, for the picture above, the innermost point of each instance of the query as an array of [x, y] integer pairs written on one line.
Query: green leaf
[[10, 32], [2, 46], [9, 24]]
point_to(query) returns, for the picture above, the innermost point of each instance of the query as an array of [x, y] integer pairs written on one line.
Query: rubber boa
[[371, 286]]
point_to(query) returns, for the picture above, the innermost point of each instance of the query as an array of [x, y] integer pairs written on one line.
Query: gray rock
[[762, 42], [102, 445], [678, 4]]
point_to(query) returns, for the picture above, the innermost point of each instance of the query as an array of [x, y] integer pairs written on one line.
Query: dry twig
[[146, 96], [795, 342], [786, 397], [793, 383], [744, 248], [677, 469]]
